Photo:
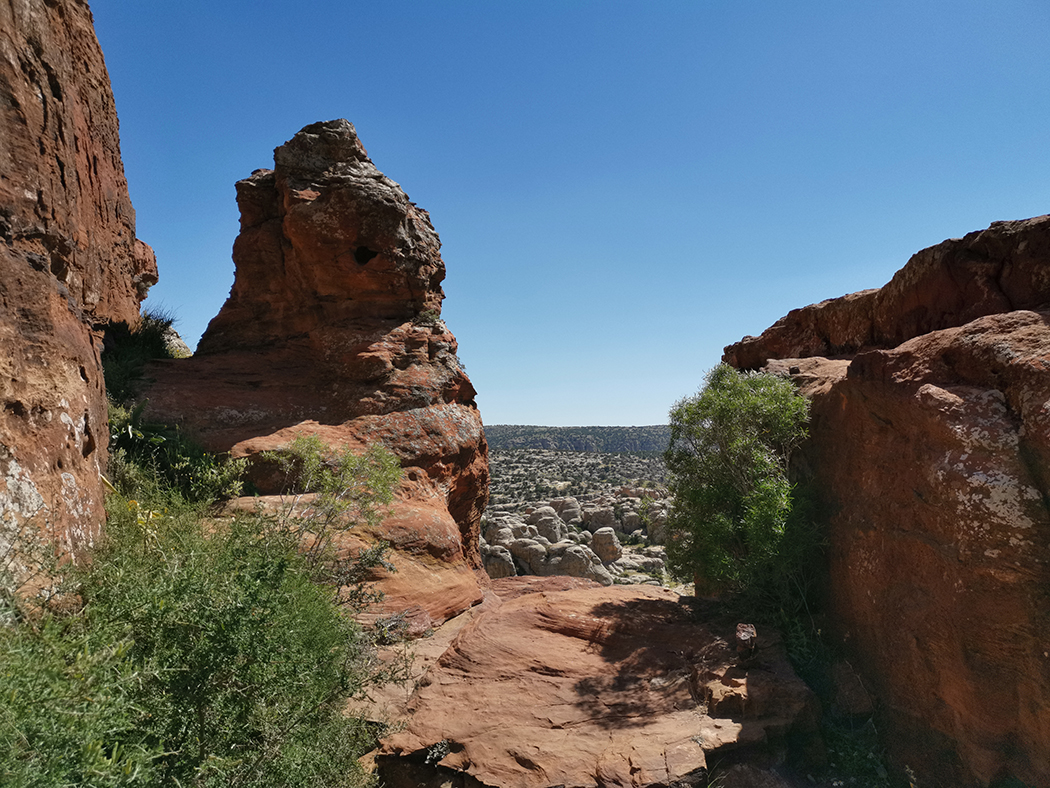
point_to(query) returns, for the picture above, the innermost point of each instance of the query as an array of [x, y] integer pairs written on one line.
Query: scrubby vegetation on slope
[[191, 650], [652, 439]]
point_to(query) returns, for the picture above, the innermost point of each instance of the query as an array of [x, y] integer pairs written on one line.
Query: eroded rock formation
[[930, 443], [332, 329], [69, 265]]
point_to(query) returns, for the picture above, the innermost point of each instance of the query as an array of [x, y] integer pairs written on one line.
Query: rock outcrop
[[930, 444], [561, 683], [69, 265], [333, 329], [988, 272]]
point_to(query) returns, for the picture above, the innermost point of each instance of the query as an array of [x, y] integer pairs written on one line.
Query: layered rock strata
[[69, 265], [333, 329], [930, 443]]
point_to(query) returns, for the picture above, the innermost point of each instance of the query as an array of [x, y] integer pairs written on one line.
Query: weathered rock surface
[[934, 460], [332, 329], [556, 685], [69, 265]]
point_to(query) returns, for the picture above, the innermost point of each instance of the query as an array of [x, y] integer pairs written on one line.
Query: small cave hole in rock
[[88, 446], [363, 254], [16, 409]]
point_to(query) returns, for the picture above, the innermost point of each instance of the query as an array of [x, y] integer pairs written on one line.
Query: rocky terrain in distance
[[582, 513], [930, 444], [528, 475], [652, 439]]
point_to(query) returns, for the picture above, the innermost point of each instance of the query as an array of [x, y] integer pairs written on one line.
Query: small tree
[[727, 460]]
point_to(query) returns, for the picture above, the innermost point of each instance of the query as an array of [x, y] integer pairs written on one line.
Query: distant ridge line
[[647, 439]]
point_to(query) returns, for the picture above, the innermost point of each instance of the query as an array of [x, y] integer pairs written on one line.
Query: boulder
[[498, 561], [333, 329], [586, 687], [69, 266], [542, 513], [529, 556], [498, 534], [933, 456], [595, 517], [568, 509], [657, 527], [606, 545], [539, 557], [575, 560]]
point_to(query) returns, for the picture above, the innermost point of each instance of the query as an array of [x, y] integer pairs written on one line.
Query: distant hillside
[[503, 437]]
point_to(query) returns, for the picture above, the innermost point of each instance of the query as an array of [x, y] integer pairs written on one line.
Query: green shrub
[[197, 653], [732, 513], [330, 492], [142, 454]]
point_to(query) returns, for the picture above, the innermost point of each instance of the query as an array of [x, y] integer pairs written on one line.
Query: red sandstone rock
[[589, 686], [69, 265], [332, 329], [932, 456], [987, 272]]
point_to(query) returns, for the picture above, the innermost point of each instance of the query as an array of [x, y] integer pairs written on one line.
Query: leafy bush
[[729, 528], [198, 653], [142, 454]]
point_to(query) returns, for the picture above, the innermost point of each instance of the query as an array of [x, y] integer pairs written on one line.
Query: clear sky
[[621, 188]]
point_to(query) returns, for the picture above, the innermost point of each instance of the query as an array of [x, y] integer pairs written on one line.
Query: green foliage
[[128, 351], [730, 528], [66, 707], [330, 492], [142, 454], [199, 653]]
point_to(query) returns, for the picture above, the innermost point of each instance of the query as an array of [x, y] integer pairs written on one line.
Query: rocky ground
[[593, 515]]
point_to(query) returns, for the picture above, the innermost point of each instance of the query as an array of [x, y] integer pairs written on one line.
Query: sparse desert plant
[[330, 492], [127, 351], [428, 317]]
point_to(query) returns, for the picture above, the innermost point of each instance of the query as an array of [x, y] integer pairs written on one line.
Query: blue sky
[[621, 188]]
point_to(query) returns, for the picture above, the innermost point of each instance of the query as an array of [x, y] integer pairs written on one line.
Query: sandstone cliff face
[[332, 329], [931, 447], [69, 264]]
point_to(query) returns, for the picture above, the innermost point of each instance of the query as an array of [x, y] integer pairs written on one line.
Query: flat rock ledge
[[562, 682]]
